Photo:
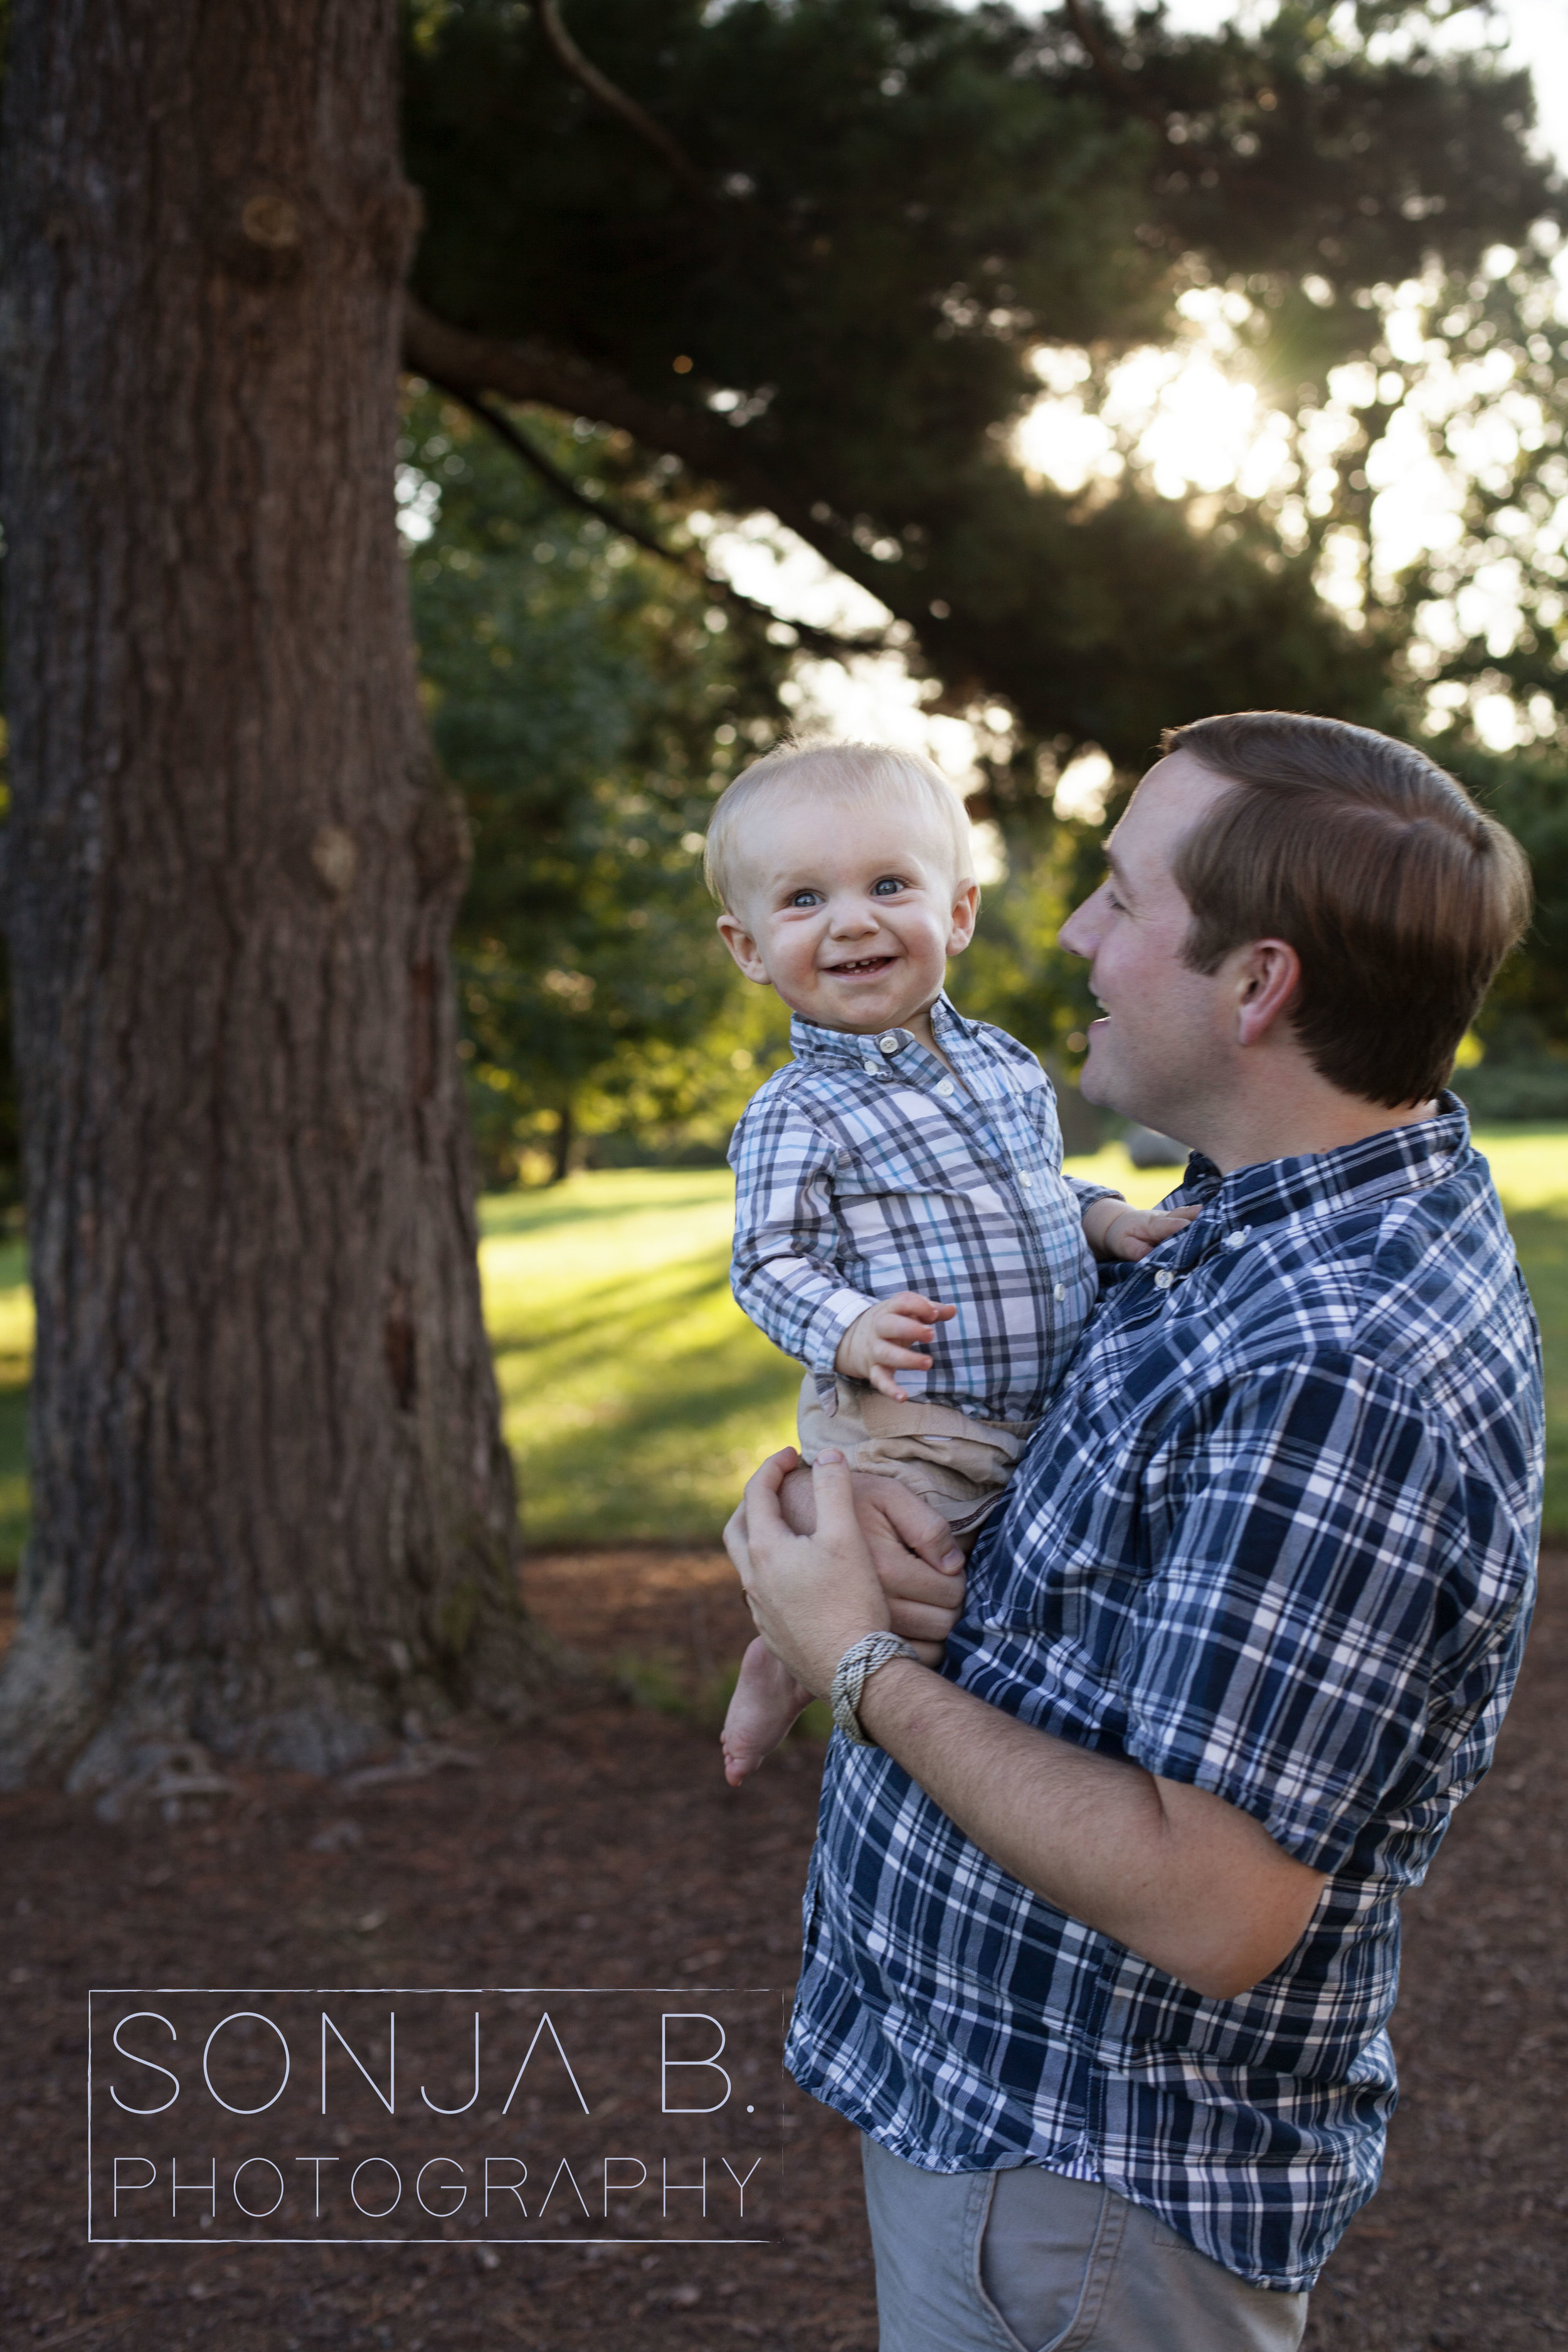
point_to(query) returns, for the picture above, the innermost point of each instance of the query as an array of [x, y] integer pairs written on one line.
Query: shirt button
[[1235, 1240], [1025, 1180], [872, 1069], [1061, 1290], [945, 1087], [1164, 1278], [891, 1043]]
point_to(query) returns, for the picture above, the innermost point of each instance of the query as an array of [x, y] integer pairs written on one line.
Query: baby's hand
[[1133, 1232], [887, 1335]]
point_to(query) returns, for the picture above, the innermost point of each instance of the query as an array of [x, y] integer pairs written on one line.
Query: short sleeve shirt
[[1275, 1539]]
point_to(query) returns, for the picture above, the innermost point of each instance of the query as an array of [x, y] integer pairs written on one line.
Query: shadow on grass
[[616, 1477], [609, 1321], [16, 1516], [506, 1216]]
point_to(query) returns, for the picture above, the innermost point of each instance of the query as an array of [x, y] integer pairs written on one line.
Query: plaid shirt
[[1275, 1539], [864, 1168]]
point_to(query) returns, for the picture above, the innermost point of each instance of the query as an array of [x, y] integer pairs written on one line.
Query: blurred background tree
[[589, 699], [882, 274]]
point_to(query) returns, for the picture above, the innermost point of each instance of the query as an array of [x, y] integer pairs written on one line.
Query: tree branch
[[1108, 67], [825, 642], [558, 379], [468, 365], [600, 87]]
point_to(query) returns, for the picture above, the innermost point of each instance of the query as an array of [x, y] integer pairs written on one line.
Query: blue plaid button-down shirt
[[866, 1167], [1275, 1539]]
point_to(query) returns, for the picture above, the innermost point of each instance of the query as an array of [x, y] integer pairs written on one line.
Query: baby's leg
[[797, 1501], [766, 1700]]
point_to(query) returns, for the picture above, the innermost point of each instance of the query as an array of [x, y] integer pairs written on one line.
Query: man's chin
[[1100, 1086], [1097, 1084]]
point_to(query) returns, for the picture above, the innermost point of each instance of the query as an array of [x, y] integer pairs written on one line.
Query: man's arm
[[1187, 1881]]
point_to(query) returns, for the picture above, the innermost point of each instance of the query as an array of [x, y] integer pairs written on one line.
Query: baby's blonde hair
[[857, 774]]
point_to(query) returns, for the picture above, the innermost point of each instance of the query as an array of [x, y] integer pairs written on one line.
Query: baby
[[902, 1225]]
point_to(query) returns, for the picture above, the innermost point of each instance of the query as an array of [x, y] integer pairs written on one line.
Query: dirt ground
[[606, 1850]]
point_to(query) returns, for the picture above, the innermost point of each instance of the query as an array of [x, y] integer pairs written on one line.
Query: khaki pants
[[960, 1467], [1025, 2261]]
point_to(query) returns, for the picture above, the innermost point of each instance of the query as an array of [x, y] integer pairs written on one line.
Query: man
[[1101, 1931]]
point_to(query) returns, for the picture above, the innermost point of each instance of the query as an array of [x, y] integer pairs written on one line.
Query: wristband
[[859, 1661]]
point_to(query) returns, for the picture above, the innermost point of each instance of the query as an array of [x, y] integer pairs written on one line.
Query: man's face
[[1166, 1037]]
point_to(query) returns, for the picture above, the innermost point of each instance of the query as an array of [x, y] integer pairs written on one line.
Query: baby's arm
[[783, 1268], [892, 1333], [1112, 1230]]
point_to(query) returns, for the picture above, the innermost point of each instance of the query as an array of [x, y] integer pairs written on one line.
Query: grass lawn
[[636, 1396]]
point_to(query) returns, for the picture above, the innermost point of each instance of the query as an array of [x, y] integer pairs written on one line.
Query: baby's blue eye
[[805, 898], [889, 887]]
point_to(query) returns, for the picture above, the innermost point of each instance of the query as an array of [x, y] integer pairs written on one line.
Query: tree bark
[[272, 1505]]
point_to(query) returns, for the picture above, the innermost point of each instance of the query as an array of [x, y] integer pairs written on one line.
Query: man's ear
[[966, 912], [742, 945], [1268, 982]]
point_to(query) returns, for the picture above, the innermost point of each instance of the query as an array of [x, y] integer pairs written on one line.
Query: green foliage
[[1529, 790], [910, 197], [588, 700]]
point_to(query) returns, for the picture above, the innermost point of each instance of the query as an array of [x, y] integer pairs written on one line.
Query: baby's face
[[850, 912]]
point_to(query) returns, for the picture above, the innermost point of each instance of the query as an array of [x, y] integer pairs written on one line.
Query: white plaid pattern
[[1276, 1537], [865, 1166]]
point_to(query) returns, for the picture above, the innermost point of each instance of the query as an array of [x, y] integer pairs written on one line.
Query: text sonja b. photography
[[389, 2116]]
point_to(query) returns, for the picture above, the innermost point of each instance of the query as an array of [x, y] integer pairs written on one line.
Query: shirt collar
[[1318, 1183], [810, 1044]]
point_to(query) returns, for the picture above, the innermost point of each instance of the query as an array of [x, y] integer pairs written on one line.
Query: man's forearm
[[1183, 1879]]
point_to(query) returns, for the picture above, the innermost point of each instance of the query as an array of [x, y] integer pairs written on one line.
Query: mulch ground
[[606, 1850]]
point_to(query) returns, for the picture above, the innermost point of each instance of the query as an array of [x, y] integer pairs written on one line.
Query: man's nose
[[1076, 934]]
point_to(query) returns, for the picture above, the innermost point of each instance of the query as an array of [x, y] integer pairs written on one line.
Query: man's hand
[[1112, 1230], [914, 1550], [1181, 1877], [890, 1336], [811, 1597]]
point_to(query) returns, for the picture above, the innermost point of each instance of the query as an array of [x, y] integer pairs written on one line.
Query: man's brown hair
[[1400, 895]]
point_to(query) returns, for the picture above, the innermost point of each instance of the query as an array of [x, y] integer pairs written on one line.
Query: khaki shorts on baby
[[957, 1465]]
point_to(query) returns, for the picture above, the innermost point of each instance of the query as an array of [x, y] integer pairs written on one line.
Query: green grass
[[636, 1396], [1529, 1165]]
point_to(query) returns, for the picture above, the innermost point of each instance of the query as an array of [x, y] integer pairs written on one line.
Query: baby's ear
[[966, 912], [742, 945]]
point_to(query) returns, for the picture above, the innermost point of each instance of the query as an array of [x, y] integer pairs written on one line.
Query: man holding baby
[[1102, 1929]]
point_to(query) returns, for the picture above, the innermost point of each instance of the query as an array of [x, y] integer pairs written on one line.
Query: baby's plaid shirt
[[866, 1167]]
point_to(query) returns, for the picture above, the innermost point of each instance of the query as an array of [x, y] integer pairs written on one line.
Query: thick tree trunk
[[272, 1504]]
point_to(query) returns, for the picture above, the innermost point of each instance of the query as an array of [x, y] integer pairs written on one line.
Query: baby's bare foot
[[766, 1700]]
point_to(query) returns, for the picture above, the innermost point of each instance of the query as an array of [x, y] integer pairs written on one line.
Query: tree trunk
[[561, 1145], [272, 1505]]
